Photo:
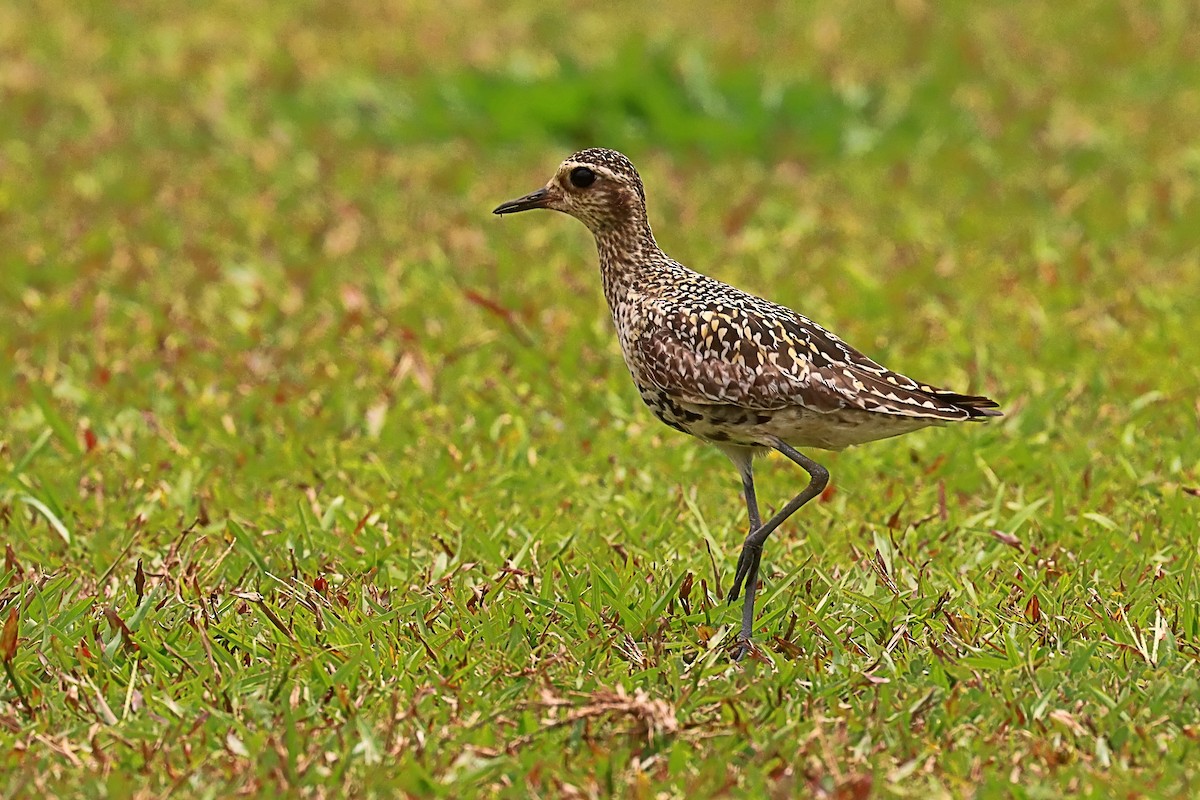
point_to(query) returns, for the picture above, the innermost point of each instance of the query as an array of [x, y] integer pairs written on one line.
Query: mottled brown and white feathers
[[720, 363]]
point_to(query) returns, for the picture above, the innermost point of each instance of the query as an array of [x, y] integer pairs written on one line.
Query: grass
[[315, 478]]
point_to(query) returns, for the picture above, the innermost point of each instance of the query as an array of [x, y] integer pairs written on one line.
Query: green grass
[[317, 478]]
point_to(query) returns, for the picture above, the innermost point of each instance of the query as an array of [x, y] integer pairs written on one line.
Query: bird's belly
[[796, 425]]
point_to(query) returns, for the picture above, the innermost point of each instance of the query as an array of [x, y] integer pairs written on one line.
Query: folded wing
[[757, 360]]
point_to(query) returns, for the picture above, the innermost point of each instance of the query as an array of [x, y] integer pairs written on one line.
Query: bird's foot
[[743, 647], [747, 567]]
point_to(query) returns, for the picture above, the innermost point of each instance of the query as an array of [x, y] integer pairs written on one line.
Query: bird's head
[[598, 187]]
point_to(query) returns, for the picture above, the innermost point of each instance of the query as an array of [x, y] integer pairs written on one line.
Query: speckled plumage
[[724, 365]]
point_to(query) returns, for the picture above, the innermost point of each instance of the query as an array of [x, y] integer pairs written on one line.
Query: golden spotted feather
[[745, 351]]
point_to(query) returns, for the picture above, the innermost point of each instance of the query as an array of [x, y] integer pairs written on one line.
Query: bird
[[728, 367]]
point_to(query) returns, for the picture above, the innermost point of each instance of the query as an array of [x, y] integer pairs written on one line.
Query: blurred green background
[[316, 477]]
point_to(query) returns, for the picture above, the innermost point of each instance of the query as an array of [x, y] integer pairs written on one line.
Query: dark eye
[[582, 177]]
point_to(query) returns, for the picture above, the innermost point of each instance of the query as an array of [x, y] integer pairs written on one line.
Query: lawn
[[316, 478]]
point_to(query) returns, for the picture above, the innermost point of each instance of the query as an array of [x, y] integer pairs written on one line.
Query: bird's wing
[[773, 358]]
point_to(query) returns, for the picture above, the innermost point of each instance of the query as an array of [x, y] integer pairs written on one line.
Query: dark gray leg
[[743, 458], [748, 562], [751, 499]]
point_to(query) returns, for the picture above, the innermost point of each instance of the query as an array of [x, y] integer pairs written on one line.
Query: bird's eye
[[582, 177]]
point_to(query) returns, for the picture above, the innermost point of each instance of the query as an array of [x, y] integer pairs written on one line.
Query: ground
[[315, 477]]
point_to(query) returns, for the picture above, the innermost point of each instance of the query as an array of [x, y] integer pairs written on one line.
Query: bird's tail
[[976, 405]]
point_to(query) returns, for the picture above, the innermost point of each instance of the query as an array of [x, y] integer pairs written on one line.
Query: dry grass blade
[[8, 637], [8, 651], [652, 717]]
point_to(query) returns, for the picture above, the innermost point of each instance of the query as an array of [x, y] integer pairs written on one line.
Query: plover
[[728, 367]]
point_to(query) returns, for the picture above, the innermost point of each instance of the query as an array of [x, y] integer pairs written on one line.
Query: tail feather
[[976, 405]]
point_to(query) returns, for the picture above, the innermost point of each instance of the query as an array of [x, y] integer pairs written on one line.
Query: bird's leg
[[747, 470], [747, 571], [743, 458]]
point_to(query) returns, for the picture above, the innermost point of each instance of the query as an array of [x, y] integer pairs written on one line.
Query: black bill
[[537, 199]]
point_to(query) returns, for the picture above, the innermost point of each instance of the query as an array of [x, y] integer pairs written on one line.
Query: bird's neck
[[626, 252]]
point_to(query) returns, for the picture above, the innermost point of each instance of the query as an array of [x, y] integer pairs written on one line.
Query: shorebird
[[728, 367]]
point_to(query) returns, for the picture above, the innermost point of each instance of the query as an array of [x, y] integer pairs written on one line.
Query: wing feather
[[743, 357]]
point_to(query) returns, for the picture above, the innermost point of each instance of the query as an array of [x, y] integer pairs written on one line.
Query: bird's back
[[729, 366]]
